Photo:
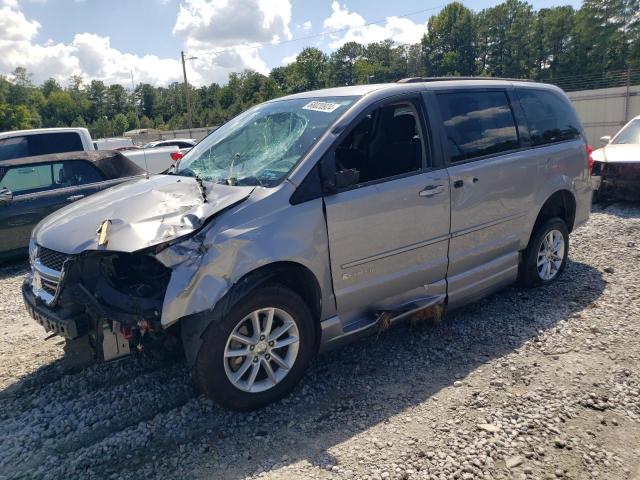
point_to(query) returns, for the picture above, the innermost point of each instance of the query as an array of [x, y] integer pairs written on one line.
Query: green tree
[[49, 86], [97, 95], [59, 109], [342, 68], [309, 71], [448, 47], [120, 124]]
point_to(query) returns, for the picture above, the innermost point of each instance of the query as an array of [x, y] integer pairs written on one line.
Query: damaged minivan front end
[[103, 285]]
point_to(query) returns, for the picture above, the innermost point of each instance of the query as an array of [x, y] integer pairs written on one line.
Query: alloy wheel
[[550, 255], [261, 350]]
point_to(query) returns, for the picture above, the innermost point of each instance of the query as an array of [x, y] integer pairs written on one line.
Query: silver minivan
[[311, 219]]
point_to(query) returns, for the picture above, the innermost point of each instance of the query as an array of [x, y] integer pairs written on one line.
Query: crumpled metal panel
[[256, 233], [143, 213], [620, 181]]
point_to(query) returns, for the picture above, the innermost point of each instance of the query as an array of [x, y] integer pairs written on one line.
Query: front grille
[[49, 286], [51, 259]]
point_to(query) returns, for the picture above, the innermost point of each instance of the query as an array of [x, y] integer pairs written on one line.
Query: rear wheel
[[546, 255], [258, 352]]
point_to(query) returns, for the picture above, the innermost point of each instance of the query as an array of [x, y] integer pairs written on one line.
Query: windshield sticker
[[321, 106]]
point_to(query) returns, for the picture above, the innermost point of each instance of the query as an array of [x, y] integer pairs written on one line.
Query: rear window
[[550, 118], [477, 124], [39, 144]]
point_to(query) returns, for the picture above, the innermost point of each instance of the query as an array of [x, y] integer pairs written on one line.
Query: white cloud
[[231, 23], [307, 25], [341, 18], [400, 30], [289, 59], [93, 57], [15, 25]]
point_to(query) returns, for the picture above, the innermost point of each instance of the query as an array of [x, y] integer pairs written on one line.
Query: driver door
[[389, 234]]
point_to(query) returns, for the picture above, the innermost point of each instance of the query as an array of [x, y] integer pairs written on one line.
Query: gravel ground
[[525, 384]]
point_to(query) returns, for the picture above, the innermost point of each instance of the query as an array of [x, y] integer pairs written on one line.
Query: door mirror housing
[[6, 196], [606, 139], [347, 178], [341, 179]]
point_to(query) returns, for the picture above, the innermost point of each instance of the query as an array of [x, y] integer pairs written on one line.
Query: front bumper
[[67, 326], [618, 180]]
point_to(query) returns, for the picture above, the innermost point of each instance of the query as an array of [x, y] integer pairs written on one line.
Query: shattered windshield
[[629, 134], [261, 145]]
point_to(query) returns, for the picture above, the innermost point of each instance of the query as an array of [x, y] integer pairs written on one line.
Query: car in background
[[33, 187], [616, 166], [181, 143], [114, 143], [44, 141]]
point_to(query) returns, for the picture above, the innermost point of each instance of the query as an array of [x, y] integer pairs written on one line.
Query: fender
[[206, 266]]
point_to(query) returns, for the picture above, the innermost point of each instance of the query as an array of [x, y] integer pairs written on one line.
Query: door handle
[[73, 198], [458, 184], [431, 190]]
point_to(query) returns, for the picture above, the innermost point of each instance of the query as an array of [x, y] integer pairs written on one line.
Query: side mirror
[[606, 139], [347, 178], [5, 196]]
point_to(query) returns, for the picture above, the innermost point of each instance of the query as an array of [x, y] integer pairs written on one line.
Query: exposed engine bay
[[114, 299]]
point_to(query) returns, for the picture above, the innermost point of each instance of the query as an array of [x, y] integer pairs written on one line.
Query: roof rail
[[442, 79]]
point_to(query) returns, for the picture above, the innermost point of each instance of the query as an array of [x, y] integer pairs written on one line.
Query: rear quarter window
[[477, 123], [551, 119]]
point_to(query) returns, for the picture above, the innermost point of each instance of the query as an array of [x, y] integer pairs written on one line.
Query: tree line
[[508, 40]]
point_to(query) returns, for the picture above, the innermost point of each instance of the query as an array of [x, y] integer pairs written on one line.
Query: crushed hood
[[613, 153], [142, 213]]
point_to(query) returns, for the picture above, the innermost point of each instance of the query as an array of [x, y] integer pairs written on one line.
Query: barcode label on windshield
[[321, 106]]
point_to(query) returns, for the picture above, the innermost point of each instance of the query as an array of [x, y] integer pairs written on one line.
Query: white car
[[616, 166], [181, 143], [115, 143], [44, 141]]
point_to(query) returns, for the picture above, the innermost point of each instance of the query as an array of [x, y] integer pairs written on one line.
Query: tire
[[219, 358], [531, 274]]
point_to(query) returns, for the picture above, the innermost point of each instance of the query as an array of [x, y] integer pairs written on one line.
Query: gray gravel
[[525, 384]]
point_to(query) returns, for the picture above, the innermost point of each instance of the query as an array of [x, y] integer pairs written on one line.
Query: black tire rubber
[[528, 274], [208, 371]]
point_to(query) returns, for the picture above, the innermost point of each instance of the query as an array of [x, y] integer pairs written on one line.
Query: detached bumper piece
[[620, 181], [68, 327]]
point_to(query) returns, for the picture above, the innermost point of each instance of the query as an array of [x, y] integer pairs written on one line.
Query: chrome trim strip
[[390, 253], [492, 223]]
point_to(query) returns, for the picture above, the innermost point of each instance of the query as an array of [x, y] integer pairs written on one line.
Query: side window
[[75, 172], [477, 124], [28, 179], [550, 118], [14, 147], [46, 143], [385, 143]]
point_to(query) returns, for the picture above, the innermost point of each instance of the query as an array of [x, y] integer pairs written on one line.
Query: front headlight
[[33, 251]]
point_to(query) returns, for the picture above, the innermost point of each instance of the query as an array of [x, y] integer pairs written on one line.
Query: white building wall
[[605, 110]]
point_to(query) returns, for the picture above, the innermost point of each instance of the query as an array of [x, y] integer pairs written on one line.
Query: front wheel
[[546, 255], [258, 352]]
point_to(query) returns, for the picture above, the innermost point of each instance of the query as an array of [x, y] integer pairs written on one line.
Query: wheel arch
[[290, 274], [562, 204]]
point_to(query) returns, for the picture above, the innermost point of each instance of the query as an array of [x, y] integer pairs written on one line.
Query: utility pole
[[186, 88]]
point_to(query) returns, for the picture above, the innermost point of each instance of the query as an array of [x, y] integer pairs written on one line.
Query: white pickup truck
[[43, 141]]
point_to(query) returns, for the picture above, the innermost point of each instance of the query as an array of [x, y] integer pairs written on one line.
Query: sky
[[110, 40]]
